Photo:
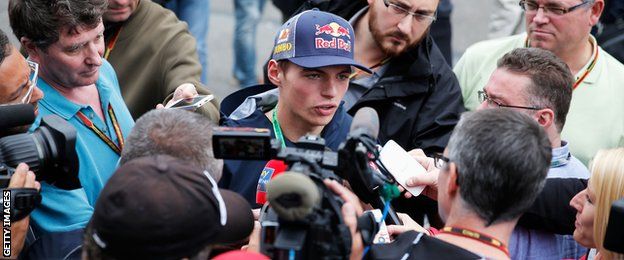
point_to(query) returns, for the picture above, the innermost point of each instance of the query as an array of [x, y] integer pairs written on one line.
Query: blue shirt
[[65, 210], [535, 244]]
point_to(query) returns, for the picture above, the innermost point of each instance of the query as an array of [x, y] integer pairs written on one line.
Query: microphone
[[16, 115], [270, 171], [365, 122], [293, 195]]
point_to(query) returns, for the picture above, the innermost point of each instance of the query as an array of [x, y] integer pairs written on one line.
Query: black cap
[[166, 208]]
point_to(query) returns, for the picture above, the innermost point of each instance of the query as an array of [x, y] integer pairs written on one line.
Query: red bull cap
[[315, 39]]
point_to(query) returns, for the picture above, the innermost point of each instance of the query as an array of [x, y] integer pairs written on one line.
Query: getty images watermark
[[6, 223]]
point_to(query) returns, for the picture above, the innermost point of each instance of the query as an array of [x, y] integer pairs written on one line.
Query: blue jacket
[[241, 176]]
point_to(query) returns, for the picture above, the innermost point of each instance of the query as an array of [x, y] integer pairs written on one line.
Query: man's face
[[506, 88], [74, 60], [120, 10], [560, 33], [312, 95], [396, 32], [15, 81]]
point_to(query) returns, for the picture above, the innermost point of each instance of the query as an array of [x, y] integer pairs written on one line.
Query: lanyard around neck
[[476, 236], [88, 123], [277, 129], [111, 45], [589, 68]]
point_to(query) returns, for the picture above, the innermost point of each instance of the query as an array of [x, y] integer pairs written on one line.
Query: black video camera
[[304, 219], [49, 152], [614, 237]]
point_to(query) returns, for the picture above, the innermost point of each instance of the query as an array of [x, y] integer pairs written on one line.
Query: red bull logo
[[283, 36], [333, 29]]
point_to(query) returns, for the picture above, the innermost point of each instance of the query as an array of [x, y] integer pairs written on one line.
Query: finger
[[350, 217], [256, 213], [19, 176], [344, 193], [394, 230], [408, 195], [160, 106], [417, 153], [30, 180]]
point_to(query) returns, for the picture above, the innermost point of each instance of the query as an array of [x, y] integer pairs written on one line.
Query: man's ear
[[596, 11], [274, 73], [31, 49], [452, 185], [545, 117]]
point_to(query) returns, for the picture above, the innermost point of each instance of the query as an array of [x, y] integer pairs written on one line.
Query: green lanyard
[[277, 129]]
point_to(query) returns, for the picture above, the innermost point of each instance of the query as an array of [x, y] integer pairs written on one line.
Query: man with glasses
[[537, 83], [596, 117], [412, 87], [18, 86], [66, 38]]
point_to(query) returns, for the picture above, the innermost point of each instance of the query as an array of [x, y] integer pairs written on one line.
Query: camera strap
[[87, 122], [277, 128]]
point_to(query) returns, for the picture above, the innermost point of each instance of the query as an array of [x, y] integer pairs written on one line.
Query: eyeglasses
[[531, 7], [399, 10], [440, 160], [34, 72], [492, 103]]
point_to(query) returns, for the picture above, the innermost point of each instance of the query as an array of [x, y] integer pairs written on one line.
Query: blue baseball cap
[[315, 39]]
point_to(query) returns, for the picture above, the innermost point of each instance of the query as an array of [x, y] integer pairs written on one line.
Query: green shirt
[[596, 117]]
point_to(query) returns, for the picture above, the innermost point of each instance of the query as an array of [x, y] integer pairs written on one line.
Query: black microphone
[[292, 195], [365, 122], [16, 115]]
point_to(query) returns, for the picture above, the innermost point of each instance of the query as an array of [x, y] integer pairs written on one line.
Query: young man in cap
[[311, 64], [163, 207]]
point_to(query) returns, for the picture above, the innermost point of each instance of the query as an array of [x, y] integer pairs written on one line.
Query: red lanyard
[[116, 148], [476, 236], [589, 68], [111, 44]]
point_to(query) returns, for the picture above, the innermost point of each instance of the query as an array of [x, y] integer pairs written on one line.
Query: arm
[[22, 178], [180, 66], [551, 211]]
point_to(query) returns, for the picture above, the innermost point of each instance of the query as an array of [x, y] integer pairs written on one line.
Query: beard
[[395, 47]]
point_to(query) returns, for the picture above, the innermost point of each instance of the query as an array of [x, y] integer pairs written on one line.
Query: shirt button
[[91, 115]]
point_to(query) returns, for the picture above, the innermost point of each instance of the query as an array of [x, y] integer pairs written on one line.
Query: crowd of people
[[522, 140]]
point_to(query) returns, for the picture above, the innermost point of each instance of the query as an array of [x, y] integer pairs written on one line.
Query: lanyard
[[476, 236], [111, 44], [381, 63], [277, 129], [589, 68], [116, 148]]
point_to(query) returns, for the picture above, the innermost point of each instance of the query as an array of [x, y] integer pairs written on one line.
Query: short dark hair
[[5, 46], [502, 159], [174, 132], [41, 21], [551, 79]]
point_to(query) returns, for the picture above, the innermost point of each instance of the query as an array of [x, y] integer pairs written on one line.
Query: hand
[[22, 178], [408, 224], [430, 180], [184, 91], [351, 209], [256, 213], [254, 239]]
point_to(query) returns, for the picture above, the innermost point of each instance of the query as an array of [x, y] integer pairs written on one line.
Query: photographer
[[16, 87], [311, 65]]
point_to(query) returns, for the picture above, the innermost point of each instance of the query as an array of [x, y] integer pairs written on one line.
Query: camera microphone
[[17, 115], [272, 169], [293, 195], [365, 122]]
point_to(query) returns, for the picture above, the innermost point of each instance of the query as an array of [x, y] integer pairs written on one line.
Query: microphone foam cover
[[293, 195], [366, 119]]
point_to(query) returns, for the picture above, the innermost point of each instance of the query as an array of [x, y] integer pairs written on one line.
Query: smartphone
[[191, 104]]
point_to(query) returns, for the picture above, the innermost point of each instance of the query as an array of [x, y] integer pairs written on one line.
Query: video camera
[[304, 219], [49, 152], [614, 237]]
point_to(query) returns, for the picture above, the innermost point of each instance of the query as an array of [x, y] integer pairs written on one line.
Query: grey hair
[[174, 132], [502, 159]]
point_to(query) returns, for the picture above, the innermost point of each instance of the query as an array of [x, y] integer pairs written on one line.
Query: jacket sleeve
[[180, 64], [439, 114], [551, 211]]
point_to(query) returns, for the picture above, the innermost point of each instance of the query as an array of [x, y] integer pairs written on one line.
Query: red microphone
[[272, 169]]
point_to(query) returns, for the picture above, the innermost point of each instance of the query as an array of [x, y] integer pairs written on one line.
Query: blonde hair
[[607, 181]]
